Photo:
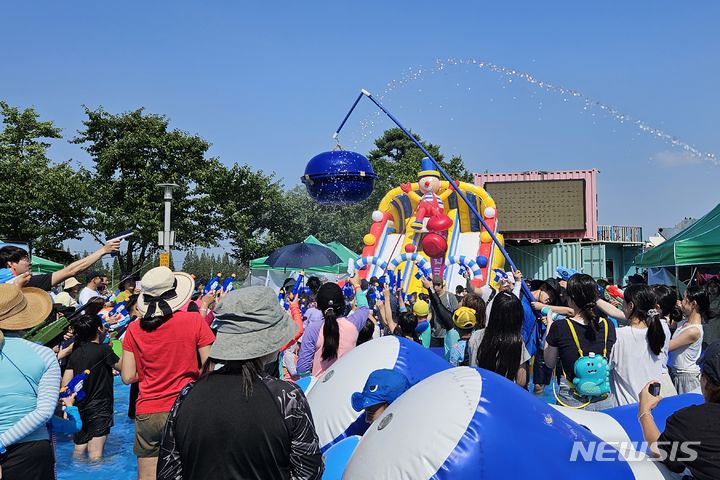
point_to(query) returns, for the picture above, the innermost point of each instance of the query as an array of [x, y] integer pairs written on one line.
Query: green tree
[[132, 153], [396, 159], [246, 204], [42, 202]]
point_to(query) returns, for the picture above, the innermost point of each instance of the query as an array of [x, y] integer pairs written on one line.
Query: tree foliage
[[205, 265], [42, 203], [132, 153]]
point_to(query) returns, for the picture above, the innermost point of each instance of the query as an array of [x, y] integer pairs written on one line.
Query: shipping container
[[588, 176]]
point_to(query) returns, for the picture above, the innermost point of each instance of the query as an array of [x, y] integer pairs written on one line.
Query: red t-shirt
[[166, 358]]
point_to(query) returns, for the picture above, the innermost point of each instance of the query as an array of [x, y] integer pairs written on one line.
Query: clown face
[[429, 184]]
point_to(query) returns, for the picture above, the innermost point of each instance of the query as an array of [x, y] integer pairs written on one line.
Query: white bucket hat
[[164, 292]]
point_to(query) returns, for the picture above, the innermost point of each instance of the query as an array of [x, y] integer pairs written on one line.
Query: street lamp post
[[167, 199]]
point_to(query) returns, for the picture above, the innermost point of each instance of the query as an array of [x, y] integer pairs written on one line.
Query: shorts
[[567, 397], [685, 382], [149, 429], [94, 424], [26, 460]]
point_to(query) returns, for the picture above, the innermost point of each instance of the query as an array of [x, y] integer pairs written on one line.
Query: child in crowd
[[382, 388], [96, 409]]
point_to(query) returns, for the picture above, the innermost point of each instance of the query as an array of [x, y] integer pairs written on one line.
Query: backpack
[[592, 371]]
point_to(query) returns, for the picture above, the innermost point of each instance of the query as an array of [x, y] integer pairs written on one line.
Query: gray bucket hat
[[251, 324]]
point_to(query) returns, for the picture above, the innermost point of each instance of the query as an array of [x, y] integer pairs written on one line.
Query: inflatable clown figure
[[430, 217]]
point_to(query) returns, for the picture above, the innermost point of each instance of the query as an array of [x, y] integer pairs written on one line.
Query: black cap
[[92, 274], [551, 283], [710, 362], [374, 280]]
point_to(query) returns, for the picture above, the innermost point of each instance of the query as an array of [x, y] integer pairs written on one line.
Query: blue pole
[[442, 171], [337, 132]]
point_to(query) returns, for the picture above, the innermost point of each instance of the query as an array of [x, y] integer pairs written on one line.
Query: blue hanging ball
[[482, 261], [339, 177]]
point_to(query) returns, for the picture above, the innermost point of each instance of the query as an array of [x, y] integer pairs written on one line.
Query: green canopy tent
[[42, 265], [699, 244], [263, 274]]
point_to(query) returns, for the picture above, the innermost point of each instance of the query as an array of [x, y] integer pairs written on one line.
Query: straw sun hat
[[21, 309], [164, 291]]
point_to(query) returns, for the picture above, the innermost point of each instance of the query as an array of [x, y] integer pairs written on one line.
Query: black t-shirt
[[42, 281], [561, 337], [98, 386], [221, 434], [697, 423]]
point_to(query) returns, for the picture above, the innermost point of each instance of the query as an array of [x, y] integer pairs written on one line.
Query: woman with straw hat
[[237, 421], [160, 352], [29, 384]]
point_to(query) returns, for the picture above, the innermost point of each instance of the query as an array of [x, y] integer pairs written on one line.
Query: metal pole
[[166, 229], [337, 132], [471, 207]]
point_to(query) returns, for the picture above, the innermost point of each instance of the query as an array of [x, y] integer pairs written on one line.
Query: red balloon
[[434, 245], [439, 223], [409, 248]]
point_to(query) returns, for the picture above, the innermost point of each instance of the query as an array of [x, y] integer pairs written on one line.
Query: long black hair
[[501, 346], [331, 302], [249, 371], [583, 291], [666, 298], [643, 301], [700, 297]]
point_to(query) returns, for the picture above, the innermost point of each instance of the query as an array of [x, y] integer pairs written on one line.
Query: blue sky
[[268, 82]]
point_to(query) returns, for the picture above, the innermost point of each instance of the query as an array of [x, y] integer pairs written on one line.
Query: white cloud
[[671, 159]]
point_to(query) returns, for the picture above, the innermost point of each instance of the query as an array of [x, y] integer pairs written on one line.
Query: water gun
[[120, 310], [351, 267], [565, 273], [6, 275], [228, 285], [555, 316], [392, 280], [75, 386], [500, 274], [297, 286], [615, 292], [348, 291], [213, 284]]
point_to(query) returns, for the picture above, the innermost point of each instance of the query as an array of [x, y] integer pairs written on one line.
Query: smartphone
[[654, 389], [138, 285]]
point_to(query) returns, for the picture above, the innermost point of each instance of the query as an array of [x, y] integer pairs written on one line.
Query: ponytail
[[643, 299], [592, 318], [331, 335], [655, 333], [666, 298], [331, 302], [583, 291]]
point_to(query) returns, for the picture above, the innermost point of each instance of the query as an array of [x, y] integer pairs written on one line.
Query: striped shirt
[[428, 197], [29, 386]]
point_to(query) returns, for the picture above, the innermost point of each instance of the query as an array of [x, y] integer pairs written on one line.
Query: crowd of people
[[212, 373]]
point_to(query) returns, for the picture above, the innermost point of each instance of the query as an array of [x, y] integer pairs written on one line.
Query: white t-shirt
[[86, 294], [632, 364]]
